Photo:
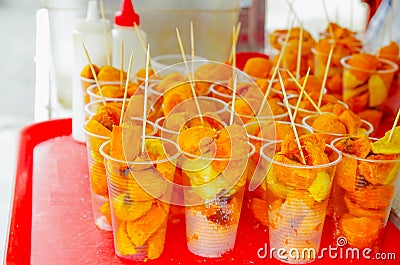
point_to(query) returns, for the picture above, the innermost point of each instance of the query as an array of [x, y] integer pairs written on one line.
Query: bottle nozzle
[[92, 11], [127, 15]]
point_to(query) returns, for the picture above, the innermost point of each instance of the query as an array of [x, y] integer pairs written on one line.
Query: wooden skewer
[[351, 14], [233, 49], [146, 85], [237, 32], [394, 126], [192, 46], [327, 19], [299, 50], [291, 119], [121, 70], [327, 66], [121, 118], [301, 94], [103, 17], [275, 69], [190, 79], [93, 73], [233, 100], [305, 93], [294, 13]]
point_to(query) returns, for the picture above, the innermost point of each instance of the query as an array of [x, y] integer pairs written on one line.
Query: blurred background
[[24, 76]]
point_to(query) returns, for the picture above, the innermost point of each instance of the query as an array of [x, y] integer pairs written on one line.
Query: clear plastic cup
[[363, 193], [260, 133], [139, 193], [211, 226], [365, 89], [94, 95], [97, 174], [366, 129], [305, 112], [297, 200]]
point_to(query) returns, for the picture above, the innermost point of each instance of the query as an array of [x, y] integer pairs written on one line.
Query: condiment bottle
[[124, 30], [95, 34]]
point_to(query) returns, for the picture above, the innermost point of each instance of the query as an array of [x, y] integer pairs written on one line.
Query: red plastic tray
[[51, 220]]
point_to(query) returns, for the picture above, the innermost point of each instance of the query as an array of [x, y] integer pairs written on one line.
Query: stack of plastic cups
[[297, 201], [140, 193]]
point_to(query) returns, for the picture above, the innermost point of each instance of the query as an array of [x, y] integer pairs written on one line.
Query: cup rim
[[251, 136], [394, 66], [370, 127], [332, 163], [313, 112], [168, 159], [91, 103], [90, 92], [108, 137], [359, 158], [242, 156]]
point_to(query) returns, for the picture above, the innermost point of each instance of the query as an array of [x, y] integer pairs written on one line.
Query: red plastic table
[[52, 223]]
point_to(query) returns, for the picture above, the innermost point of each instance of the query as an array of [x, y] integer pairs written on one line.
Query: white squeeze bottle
[[95, 33], [124, 30]]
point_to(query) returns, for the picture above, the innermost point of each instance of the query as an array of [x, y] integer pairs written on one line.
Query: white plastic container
[[124, 30], [213, 21], [95, 33]]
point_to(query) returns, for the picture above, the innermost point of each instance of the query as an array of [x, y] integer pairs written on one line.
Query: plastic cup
[[297, 204], [364, 89], [289, 58], [94, 95], [212, 222], [303, 112], [97, 174], [139, 193], [366, 128], [260, 133], [334, 78], [171, 63], [363, 193]]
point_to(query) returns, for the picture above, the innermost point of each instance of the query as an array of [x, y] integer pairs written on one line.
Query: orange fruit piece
[[375, 172], [105, 209], [373, 197], [87, 71], [360, 232], [297, 177], [358, 211], [359, 146], [123, 244], [346, 173], [141, 229], [257, 67], [156, 243], [364, 65], [110, 73], [96, 127], [126, 209], [98, 179], [350, 120], [329, 123], [196, 139], [392, 49]]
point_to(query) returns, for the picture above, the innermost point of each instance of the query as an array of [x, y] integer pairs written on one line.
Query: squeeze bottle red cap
[[127, 15]]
